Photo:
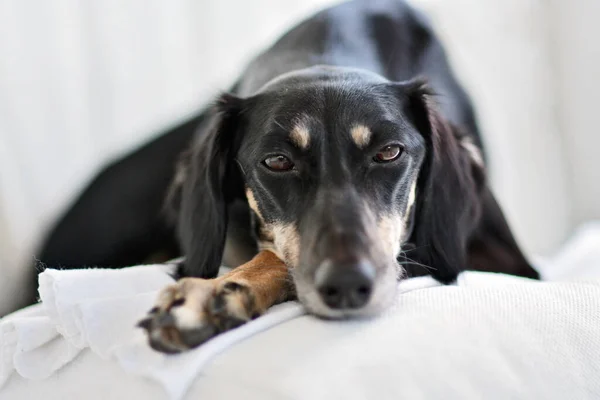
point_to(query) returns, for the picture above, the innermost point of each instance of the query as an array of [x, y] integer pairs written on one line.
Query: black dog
[[329, 163]]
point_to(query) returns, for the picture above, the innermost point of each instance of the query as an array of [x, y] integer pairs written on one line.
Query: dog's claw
[[146, 323]]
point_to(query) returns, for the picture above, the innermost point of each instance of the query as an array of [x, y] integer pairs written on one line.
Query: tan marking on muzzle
[[384, 231], [361, 135], [281, 239], [300, 136], [390, 229], [286, 243], [252, 203], [393, 227], [265, 234]]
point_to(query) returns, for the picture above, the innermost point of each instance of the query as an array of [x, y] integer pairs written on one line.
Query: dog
[[346, 156]]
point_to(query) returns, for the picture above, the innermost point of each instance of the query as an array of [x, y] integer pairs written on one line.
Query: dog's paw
[[193, 310]]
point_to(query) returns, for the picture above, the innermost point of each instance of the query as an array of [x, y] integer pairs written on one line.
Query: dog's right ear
[[207, 180]]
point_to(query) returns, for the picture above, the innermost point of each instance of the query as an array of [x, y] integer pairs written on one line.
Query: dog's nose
[[345, 285]]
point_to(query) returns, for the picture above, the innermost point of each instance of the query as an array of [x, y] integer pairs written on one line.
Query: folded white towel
[[63, 292], [22, 334], [80, 308], [105, 320], [99, 309], [8, 345]]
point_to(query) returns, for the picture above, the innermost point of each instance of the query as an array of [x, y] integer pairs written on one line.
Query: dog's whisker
[[414, 248], [419, 265], [410, 261]]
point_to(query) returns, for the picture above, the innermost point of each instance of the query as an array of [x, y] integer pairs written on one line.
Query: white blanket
[[524, 339], [99, 308]]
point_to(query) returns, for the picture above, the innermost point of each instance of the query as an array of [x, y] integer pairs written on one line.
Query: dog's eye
[[388, 153], [279, 163]]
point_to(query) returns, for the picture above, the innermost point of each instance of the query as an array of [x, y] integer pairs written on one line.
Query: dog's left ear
[[458, 224], [451, 178]]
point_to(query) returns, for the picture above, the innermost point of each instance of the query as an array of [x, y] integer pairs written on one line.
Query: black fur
[[212, 182], [449, 188], [455, 225]]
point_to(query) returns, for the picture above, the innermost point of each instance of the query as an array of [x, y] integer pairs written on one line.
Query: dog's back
[[386, 37]]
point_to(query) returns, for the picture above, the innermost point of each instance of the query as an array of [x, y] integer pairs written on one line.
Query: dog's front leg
[[193, 310]]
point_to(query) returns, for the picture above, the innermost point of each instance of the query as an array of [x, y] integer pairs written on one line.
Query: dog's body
[[326, 158]]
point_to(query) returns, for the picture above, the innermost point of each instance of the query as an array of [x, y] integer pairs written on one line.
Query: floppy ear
[[448, 189], [207, 181], [458, 223]]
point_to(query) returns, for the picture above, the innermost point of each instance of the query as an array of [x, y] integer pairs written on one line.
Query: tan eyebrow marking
[[300, 136], [361, 135]]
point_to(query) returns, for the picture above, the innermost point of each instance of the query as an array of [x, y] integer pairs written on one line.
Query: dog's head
[[341, 169]]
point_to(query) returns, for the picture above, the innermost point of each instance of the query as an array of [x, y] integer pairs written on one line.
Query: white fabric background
[[82, 82]]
